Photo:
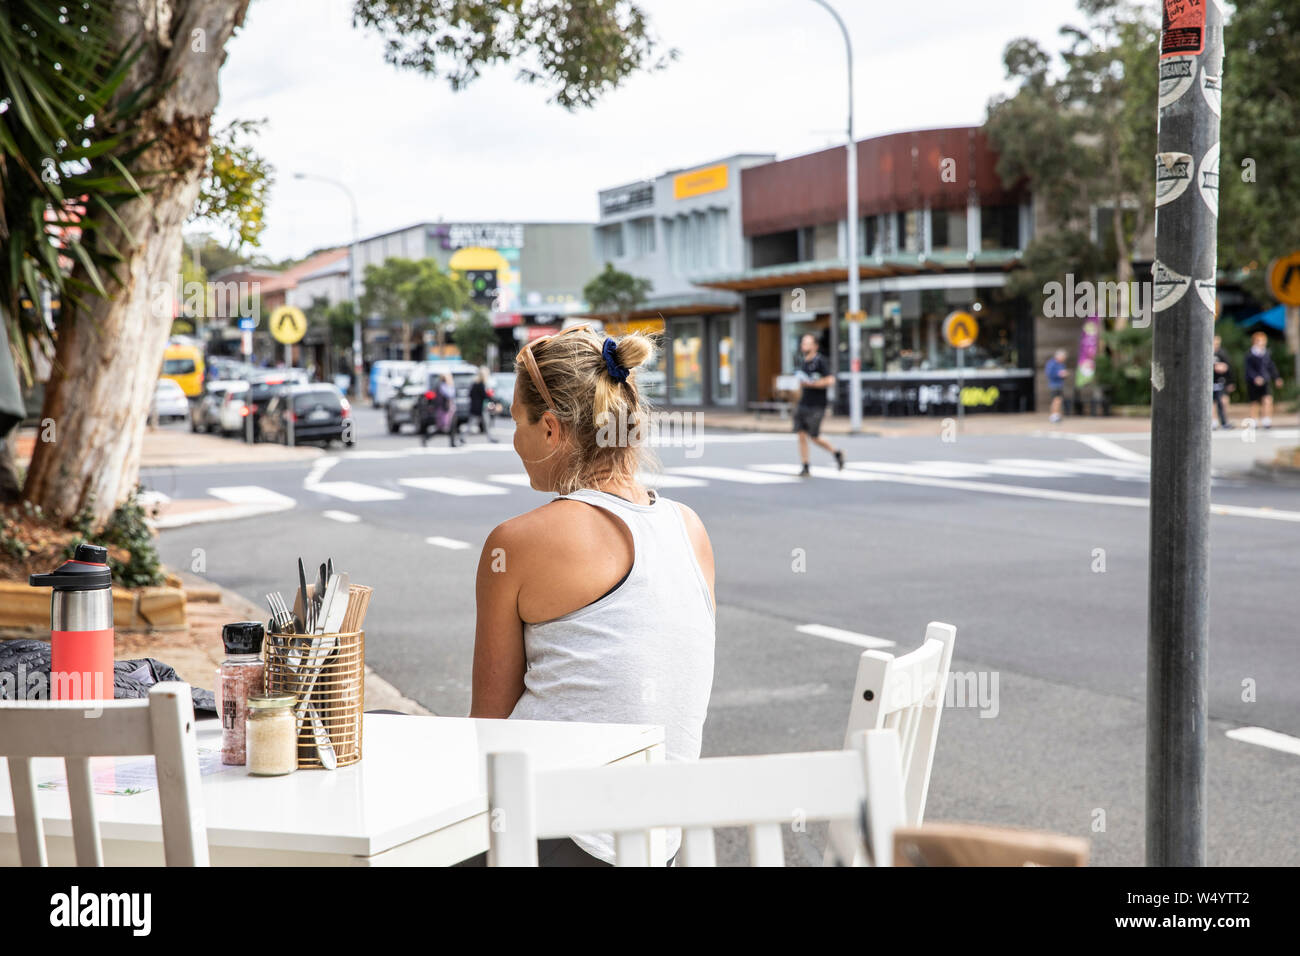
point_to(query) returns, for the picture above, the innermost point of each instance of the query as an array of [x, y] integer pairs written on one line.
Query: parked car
[[387, 376], [400, 409], [462, 375], [183, 364], [169, 402], [308, 413], [233, 409], [503, 393], [205, 414]]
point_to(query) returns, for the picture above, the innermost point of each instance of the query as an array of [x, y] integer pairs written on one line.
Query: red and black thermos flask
[[81, 625]]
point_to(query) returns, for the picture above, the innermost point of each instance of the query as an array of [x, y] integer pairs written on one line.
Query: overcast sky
[[752, 76]]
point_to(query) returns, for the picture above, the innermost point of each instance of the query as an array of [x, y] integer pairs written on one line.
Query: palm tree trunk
[[109, 354]]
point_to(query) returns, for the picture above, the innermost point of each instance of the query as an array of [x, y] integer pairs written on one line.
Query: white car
[[388, 376], [233, 410], [169, 402]]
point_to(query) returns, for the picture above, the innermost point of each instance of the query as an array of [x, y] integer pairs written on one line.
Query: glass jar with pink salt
[[242, 673]]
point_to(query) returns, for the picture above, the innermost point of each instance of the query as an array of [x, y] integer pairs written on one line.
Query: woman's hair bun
[[633, 350]]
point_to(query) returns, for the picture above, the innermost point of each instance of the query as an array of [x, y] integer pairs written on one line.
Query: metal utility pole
[[851, 248], [358, 368], [1183, 287]]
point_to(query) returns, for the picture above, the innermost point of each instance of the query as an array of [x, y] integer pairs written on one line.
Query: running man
[[814, 378]]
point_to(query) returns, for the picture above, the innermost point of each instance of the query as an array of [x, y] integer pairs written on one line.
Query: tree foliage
[[1260, 182], [66, 157], [413, 291], [236, 180], [580, 48], [473, 334], [1082, 130], [615, 291]]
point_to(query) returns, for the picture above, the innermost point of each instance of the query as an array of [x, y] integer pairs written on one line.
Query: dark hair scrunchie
[[617, 372]]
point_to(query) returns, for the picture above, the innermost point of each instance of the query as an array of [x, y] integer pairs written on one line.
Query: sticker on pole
[[1176, 75], [1207, 289], [1207, 178], [1167, 287], [961, 330], [1212, 90], [1182, 31], [1173, 176]]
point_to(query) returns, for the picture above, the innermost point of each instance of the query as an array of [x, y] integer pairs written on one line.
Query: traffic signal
[[482, 285]]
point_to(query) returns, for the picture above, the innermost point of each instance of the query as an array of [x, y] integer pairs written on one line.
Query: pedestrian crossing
[[1024, 477], [700, 476]]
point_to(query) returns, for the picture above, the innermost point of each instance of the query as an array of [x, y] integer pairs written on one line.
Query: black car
[[422, 412], [308, 413]]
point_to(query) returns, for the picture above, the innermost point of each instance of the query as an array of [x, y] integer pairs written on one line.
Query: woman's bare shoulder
[[547, 526]]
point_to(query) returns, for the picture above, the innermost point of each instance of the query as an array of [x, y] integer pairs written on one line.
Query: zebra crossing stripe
[[460, 487], [450, 543], [740, 475], [843, 636], [356, 491]]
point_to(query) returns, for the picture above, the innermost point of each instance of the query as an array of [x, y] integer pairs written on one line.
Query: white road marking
[[754, 697], [253, 495], [451, 543], [318, 469], [356, 491], [932, 469], [1052, 494], [347, 517], [520, 481], [740, 475], [843, 636], [451, 486], [660, 480], [818, 471], [1267, 738], [1107, 447]]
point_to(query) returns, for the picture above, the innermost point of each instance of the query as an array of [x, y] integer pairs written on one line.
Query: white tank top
[[642, 654]]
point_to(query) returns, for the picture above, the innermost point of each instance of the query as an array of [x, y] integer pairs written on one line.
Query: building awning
[[1274, 318], [701, 302], [869, 267]]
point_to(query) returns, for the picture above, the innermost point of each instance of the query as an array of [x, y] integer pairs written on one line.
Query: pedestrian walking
[[1261, 376], [815, 377], [1056, 374], [444, 411], [1223, 383], [478, 403]]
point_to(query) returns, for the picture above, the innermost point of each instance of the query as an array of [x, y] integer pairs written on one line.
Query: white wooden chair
[[762, 793], [906, 694], [162, 726]]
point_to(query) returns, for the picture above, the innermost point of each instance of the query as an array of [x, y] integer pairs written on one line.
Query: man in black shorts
[[814, 377]]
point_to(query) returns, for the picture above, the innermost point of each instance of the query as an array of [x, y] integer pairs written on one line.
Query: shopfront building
[[938, 233]]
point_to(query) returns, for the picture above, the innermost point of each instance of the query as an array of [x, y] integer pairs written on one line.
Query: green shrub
[[128, 531]]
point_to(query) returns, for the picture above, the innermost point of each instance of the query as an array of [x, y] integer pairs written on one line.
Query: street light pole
[[851, 229], [357, 363], [1183, 290]]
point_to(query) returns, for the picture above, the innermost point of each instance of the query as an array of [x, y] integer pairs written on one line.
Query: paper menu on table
[[115, 778]]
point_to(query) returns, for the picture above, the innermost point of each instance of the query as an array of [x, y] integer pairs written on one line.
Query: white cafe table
[[417, 797]]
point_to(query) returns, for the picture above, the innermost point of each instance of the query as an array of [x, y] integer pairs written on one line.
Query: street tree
[[1079, 130], [473, 334], [616, 292], [1260, 162], [413, 293], [164, 56]]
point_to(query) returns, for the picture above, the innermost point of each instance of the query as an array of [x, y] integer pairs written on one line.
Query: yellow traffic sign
[[288, 324], [1284, 278], [961, 330]]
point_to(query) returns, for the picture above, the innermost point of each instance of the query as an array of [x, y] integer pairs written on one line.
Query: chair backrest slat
[[81, 800], [161, 727], [763, 793], [698, 847], [31, 831], [906, 693], [765, 847]]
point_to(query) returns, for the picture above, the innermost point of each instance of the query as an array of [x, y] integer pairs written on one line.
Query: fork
[[283, 619]]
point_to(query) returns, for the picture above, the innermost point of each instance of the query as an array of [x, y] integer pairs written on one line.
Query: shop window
[[724, 361], [641, 236], [909, 231], [609, 241], [948, 230], [1000, 227], [688, 362]]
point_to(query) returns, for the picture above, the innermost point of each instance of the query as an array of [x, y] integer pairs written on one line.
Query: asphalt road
[[1034, 547]]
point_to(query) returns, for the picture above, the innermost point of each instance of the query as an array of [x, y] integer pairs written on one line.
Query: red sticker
[[1183, 30]]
